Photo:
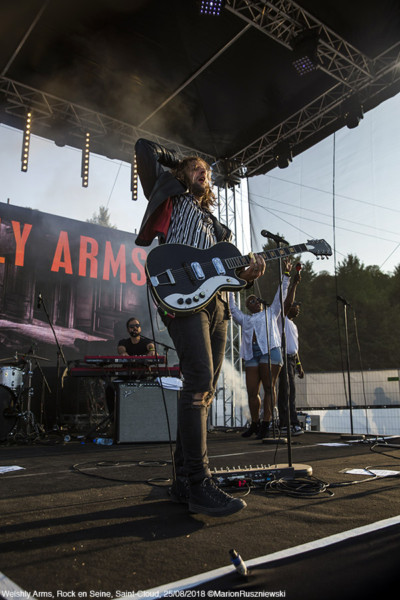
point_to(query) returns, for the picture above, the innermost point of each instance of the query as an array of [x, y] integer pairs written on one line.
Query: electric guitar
[[184, 279]]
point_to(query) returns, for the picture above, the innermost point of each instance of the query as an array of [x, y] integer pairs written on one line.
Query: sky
[[344, 190]]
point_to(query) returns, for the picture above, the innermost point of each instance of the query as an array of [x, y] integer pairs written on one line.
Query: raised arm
[[237, 314], [292, 292], [150, 159], [276, 303]]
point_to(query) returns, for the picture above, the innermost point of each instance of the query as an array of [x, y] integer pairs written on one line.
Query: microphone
[[39, 300], [344, 301], [299, 266], [272, 236], [238, 562], [261, 301]]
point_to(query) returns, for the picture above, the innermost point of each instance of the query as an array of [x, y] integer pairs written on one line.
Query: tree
[[102, 218], [373, 317]]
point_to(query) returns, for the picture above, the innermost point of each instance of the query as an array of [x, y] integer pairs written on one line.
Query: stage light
[[25, 142], [134, 178], [227, 171], [283, 154], [353, 112], [209, 7], [305, 46], [85, 161]]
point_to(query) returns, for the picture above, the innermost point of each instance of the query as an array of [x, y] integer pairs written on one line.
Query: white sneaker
[[297, 430]]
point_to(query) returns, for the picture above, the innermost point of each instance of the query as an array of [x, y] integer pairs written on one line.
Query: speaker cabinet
[[140, 414]]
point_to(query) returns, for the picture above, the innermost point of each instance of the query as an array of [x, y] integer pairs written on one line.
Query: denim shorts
[[259, 357]]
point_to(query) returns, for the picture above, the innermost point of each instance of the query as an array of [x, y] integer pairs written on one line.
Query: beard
[[197, 189]]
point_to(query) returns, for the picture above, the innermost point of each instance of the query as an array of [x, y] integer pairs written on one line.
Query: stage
[[81, 520]]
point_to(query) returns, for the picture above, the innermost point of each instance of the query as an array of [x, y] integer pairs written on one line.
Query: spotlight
[[134, 178], [210, 7], [228, 172], [26, 142], [353, 112], [283, 154], [305, 46], [85, 161]]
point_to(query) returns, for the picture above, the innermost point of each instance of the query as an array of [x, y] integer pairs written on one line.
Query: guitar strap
[[222, 233]]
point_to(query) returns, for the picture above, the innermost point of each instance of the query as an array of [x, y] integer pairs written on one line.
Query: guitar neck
[[244, 261]]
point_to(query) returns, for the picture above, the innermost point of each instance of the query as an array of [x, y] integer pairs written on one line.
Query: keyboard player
[[135, 344]]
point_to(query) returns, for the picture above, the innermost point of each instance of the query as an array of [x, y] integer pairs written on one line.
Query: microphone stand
[[165, 346], [278, 240], [346, 331], [60, 353]]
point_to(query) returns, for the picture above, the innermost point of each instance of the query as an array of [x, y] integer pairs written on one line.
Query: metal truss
[[353, 72], [67, 123], [231, 379], [284, 20], [322, 113]]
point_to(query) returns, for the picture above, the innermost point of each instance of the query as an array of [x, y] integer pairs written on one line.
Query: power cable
[[161, 386], [310, 187], [317, 212]]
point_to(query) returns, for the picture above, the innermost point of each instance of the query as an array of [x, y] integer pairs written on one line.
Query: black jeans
[[291, 392], [200, 341]]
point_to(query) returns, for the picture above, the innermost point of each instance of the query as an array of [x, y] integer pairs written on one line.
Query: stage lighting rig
[[305, 52], [283, 154], [211, 7], [26, 142], [85, 161], [352, 112], [227, 171], [134, 178]]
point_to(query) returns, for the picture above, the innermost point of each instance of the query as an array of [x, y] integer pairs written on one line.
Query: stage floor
[[98, 520]]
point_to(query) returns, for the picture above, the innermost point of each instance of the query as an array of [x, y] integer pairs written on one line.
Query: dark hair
[[131, 319], [248, 299], [208, 199]]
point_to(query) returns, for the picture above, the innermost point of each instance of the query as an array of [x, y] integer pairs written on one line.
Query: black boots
[[254, 428], [207, 498]]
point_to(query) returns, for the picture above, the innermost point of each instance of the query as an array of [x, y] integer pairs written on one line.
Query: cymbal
[[7, 359], [27, 356]]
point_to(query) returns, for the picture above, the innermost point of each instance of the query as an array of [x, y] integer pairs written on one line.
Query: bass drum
[[7, 412]]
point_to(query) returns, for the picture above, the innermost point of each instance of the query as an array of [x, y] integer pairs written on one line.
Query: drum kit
[[17, 421]]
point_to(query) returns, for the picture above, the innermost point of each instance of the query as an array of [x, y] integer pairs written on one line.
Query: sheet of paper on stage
[[8, 469]]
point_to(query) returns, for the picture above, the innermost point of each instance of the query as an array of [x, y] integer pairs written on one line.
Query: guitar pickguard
[[202, 295]]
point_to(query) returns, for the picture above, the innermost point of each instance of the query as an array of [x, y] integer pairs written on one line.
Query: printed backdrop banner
[[70, 282]]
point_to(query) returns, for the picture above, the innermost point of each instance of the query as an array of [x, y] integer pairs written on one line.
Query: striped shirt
[[190, 224]]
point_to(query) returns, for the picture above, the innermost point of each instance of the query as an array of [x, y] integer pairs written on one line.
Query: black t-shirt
[[135, 349]]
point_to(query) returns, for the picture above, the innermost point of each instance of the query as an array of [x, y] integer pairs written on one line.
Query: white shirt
[[292, 336], [255, 323]]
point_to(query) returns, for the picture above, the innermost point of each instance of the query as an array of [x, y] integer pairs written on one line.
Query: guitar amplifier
[[141, 413]]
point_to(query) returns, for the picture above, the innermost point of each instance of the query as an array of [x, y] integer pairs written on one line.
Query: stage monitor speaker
[[140, 413]]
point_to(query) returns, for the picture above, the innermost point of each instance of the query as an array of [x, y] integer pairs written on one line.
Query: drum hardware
[[8, 412], [17, 423], [60, 353], [9, 359], [30, 356], [25, 427]]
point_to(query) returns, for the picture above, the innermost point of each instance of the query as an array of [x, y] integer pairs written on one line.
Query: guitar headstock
[[319, 248]]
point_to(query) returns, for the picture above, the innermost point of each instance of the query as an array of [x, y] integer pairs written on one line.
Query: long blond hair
[[208, 199]]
